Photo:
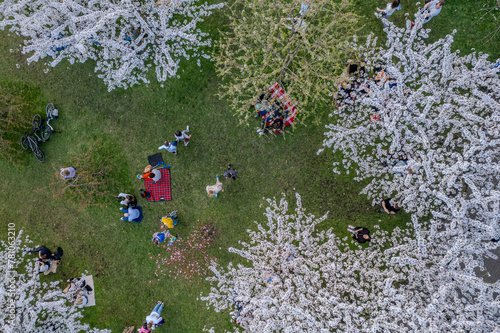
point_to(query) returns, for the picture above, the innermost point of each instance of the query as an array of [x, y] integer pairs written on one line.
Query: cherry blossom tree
[[124, 37], [426, 129], [297, 279], [299, 44], [29, 305]]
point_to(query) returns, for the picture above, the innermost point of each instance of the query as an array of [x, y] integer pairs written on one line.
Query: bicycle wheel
[[24, 142], [45, 132], [32, 143], [40, 156], [37, 121], [50, 107]]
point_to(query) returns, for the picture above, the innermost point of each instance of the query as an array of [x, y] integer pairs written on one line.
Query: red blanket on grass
[[162, 189]]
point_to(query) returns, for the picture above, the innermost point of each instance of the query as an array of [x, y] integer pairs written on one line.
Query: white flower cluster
[[426, 131], [28, 305], [124, 37], [299, 280]]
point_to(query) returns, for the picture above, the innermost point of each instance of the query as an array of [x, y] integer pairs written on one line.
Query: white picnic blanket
[[90, 296]]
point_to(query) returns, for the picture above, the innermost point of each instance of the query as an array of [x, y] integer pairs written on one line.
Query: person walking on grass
[[433, 8], [154, 317], [213, 190], [183, 136], [230, 173], [362, 235], [171, 147], [389, 9]]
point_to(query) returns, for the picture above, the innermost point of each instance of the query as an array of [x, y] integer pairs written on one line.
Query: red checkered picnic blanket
[[162, 189], [278, 92]]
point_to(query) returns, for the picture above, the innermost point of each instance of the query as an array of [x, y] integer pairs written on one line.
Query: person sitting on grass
[[41, 266], [69, 172], [154, 175], [388, 207], [147, 172], [213, 190], [81, 299], [172, 239], [230, 173], [130, 213], [128, 199], [362, 235]]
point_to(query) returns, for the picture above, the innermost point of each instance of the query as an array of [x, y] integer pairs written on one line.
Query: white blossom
[[400, 283], [124, 37], [28, 305], [439, 111]]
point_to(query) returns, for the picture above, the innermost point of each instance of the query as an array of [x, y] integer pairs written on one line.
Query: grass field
[[132, 124]]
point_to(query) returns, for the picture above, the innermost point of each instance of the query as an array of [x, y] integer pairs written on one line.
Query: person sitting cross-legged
[[130, 214]]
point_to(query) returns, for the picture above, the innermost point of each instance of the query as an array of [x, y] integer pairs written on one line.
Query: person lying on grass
[[362, 235], [213, 190]]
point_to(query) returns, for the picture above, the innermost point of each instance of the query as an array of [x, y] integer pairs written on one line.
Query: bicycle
[[31, 141], [52, 113]]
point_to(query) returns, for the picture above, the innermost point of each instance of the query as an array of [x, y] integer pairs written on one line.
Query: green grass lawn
[[132, 124]]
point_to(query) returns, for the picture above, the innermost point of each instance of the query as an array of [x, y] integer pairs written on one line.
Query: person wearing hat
[[147, 172]]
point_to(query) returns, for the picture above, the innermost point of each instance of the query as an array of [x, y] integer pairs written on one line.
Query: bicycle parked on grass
[[31, 141]]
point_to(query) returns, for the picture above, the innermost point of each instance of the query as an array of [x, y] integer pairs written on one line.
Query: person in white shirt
[[433, 8], [183, 136], [155, 318], [389, 9], [69, 172]]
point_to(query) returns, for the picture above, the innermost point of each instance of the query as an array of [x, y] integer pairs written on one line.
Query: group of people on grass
[[131, 212], [213, 190], [47, 261], [171, 147], [152, 321], [78, 291], [169, 221], [431, 8], [361, 234]]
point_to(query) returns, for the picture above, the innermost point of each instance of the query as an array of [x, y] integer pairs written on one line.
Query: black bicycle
[[40, 133]]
